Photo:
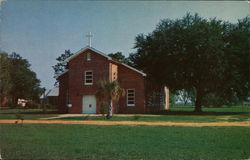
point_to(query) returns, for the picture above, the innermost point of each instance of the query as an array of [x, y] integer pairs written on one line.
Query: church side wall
[[130, 79]]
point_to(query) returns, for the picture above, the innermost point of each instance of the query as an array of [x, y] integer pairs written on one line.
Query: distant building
[[22, 102], [51, 96]]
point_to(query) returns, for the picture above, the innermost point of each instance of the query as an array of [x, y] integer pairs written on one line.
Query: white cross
[[89, 35]]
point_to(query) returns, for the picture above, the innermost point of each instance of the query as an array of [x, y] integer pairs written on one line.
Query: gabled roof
[[53, 92], [61, 73], [50, 93], [84, 49], [102, 54], [132, 68]]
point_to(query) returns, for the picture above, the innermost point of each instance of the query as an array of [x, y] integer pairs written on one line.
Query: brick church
[[79, 83]]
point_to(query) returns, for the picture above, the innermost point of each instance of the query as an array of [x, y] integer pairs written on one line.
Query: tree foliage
[[194, 53], [61, 65], [118, 56], [109, 91], [5, 84], [17, 79]]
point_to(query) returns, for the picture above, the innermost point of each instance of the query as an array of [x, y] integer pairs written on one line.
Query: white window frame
[[85, 78], [88, 56], [130, 105]]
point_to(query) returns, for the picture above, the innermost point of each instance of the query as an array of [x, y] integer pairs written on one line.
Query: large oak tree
[[194, 53], [118, 56]]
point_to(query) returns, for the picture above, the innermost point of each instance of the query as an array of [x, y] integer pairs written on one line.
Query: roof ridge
[[60, 74], [103, 54]]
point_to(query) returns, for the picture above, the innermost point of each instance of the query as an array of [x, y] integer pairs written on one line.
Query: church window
[[88, 57], [114, 77], [88, 77], [130, 97]]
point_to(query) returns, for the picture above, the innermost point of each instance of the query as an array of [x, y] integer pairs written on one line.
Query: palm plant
[[109, 91]]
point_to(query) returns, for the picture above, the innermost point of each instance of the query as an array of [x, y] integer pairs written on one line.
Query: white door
[[88, 104]]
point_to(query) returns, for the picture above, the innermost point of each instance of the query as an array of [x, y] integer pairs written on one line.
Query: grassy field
[[27, 113], [176, 114], [123, 142], [93, 142], [184, 114], [225, 109], [169, 118]]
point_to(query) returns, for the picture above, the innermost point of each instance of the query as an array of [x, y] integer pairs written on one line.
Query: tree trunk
[[198, 102], [110, 110], [14, 101], [3, 101]]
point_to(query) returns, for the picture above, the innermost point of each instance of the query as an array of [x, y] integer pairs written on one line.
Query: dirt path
[[91, 122], [94, 115]]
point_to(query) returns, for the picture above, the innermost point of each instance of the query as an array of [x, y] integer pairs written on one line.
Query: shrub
[[31, 104], [211, 100], [136, 117], [12, 105], [85, 117], [19, 117], [102, 109]]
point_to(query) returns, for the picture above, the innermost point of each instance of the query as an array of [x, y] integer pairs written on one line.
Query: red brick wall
[[63, 87], [77, 66], [102, 69], [113, 71], [130, 79]]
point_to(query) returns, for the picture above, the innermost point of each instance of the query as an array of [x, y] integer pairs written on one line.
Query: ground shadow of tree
[[199, 113]]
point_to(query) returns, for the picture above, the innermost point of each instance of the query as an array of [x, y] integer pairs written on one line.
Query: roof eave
[[136, 70], [102, 54], [132, 68], [57, 76], [84, 49]]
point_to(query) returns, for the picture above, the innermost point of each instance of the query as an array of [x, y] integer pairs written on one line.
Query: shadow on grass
[[157, 113], [198, 113]]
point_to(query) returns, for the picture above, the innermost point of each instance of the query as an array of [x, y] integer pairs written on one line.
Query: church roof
[[132, 68], [102, 54], [84, 49], [53, 92], [60, 74], [50, 93]]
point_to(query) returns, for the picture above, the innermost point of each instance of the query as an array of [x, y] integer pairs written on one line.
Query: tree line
[[17, 81]]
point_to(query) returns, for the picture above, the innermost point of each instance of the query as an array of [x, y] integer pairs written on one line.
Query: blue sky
[[41, 30]]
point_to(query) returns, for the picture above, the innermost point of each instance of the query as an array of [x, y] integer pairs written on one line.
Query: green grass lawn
[[26, 113], [169, 118], [89, 142], [228, 109], [176, 114], [184, 114]]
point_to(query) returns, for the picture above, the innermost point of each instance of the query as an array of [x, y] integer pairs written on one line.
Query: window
[[130, 97], [88, 56], [88, 78], [114, 76]]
